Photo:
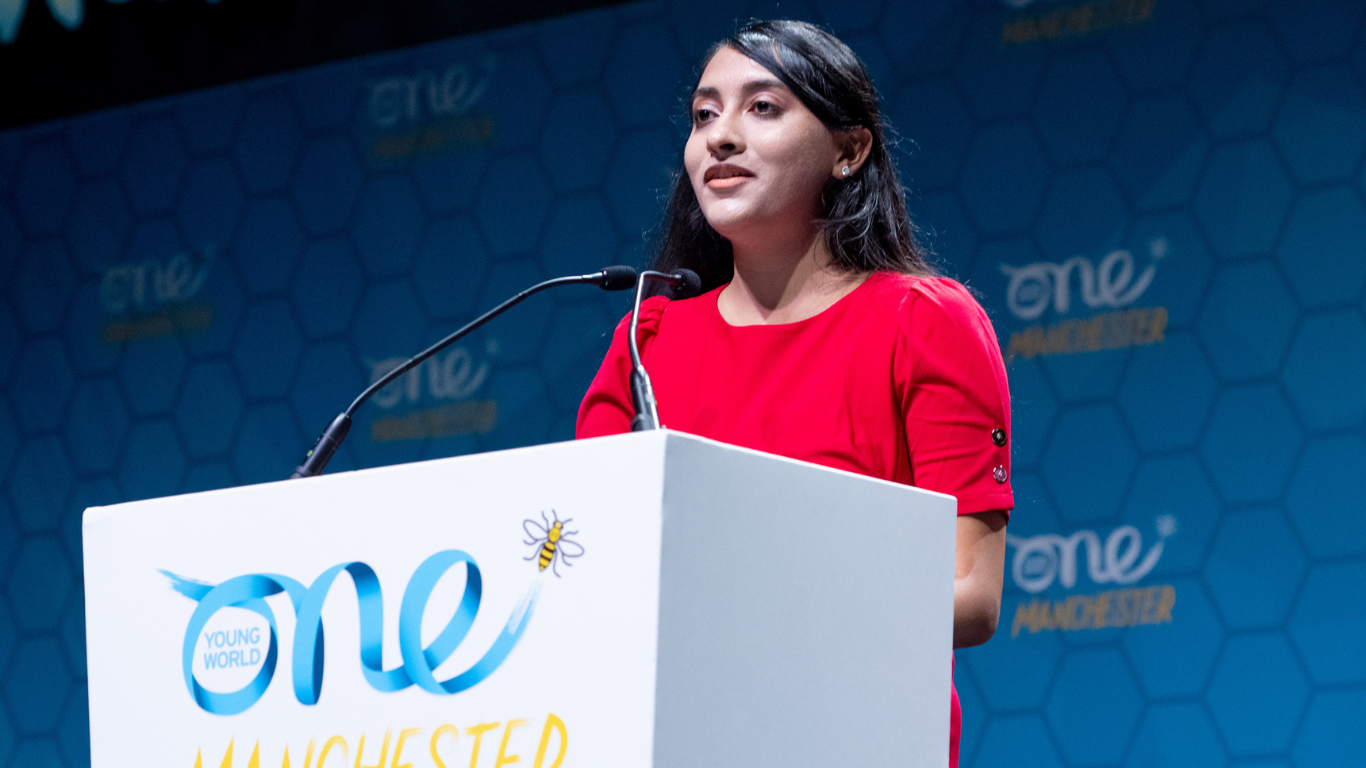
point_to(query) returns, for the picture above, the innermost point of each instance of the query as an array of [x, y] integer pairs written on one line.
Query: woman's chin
[[736, 214], [729, 221], [742, 232], [746, 226]]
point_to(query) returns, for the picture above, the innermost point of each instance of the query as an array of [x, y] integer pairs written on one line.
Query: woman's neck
[[784, 282]]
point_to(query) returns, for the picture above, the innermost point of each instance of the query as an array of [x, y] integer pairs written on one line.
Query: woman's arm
[[979, 570]]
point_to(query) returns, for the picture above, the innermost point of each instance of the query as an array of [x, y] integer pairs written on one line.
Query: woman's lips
[[724, 176], [727, 182]]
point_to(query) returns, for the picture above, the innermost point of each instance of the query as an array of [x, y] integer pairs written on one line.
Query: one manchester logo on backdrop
[[154, 298], [1040, 561], [450, 379], [1113, 284], [427, 112], [1073, 20]]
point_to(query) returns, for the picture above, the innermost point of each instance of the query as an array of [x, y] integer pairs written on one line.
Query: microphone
[[685, 283], [315, 461]]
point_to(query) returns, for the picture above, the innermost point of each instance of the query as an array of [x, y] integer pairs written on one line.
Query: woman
[[823, 334]]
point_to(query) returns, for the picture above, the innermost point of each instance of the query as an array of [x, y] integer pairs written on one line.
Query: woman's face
[[757, 157]]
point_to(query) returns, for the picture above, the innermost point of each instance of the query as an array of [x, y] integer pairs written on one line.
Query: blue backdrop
[[1159, 201]]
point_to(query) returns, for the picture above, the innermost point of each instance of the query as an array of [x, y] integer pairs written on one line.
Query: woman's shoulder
[[655, 309], [925, 295], [690, 310]]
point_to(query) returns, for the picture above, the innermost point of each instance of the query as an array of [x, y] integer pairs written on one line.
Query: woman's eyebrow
[[745, 90]]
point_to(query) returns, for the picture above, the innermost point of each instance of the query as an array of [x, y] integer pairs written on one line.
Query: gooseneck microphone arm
[[686, 282], [315, 461]]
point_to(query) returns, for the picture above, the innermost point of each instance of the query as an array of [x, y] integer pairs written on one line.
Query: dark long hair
[[864, 219]]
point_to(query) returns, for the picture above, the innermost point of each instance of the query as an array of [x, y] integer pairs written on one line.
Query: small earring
[[844, 171]]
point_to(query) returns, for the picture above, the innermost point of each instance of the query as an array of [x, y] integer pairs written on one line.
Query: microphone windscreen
[[689, 283], [617, 278]]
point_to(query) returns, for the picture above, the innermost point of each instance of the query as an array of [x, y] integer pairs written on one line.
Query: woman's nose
[[724, 137]]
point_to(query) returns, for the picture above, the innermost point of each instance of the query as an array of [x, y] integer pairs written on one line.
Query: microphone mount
[[315, 461], [685, 282]]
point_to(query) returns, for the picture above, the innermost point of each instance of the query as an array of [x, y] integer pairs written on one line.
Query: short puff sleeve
[[951, 382]]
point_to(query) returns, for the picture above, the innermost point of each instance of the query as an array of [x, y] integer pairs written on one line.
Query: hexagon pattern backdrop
[[1160, 202]]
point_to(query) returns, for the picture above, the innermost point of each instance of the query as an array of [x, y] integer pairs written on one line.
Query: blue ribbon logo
[[249, 593]]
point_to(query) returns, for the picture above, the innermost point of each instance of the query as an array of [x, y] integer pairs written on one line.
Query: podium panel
[[648, 599]]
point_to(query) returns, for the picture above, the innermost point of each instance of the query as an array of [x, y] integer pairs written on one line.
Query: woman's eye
[[765, 107], [702, 115]]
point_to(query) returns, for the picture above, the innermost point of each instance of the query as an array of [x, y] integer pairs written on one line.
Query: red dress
[[901, 379]]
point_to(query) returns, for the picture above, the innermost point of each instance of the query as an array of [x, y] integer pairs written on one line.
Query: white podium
[[704, 605]]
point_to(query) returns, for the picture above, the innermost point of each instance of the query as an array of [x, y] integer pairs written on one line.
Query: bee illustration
[[551, 541]]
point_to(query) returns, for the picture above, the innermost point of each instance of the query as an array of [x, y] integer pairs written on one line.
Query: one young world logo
[[231, 644]]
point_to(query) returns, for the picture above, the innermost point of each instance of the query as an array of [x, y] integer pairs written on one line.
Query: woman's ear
[[854, 146]]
